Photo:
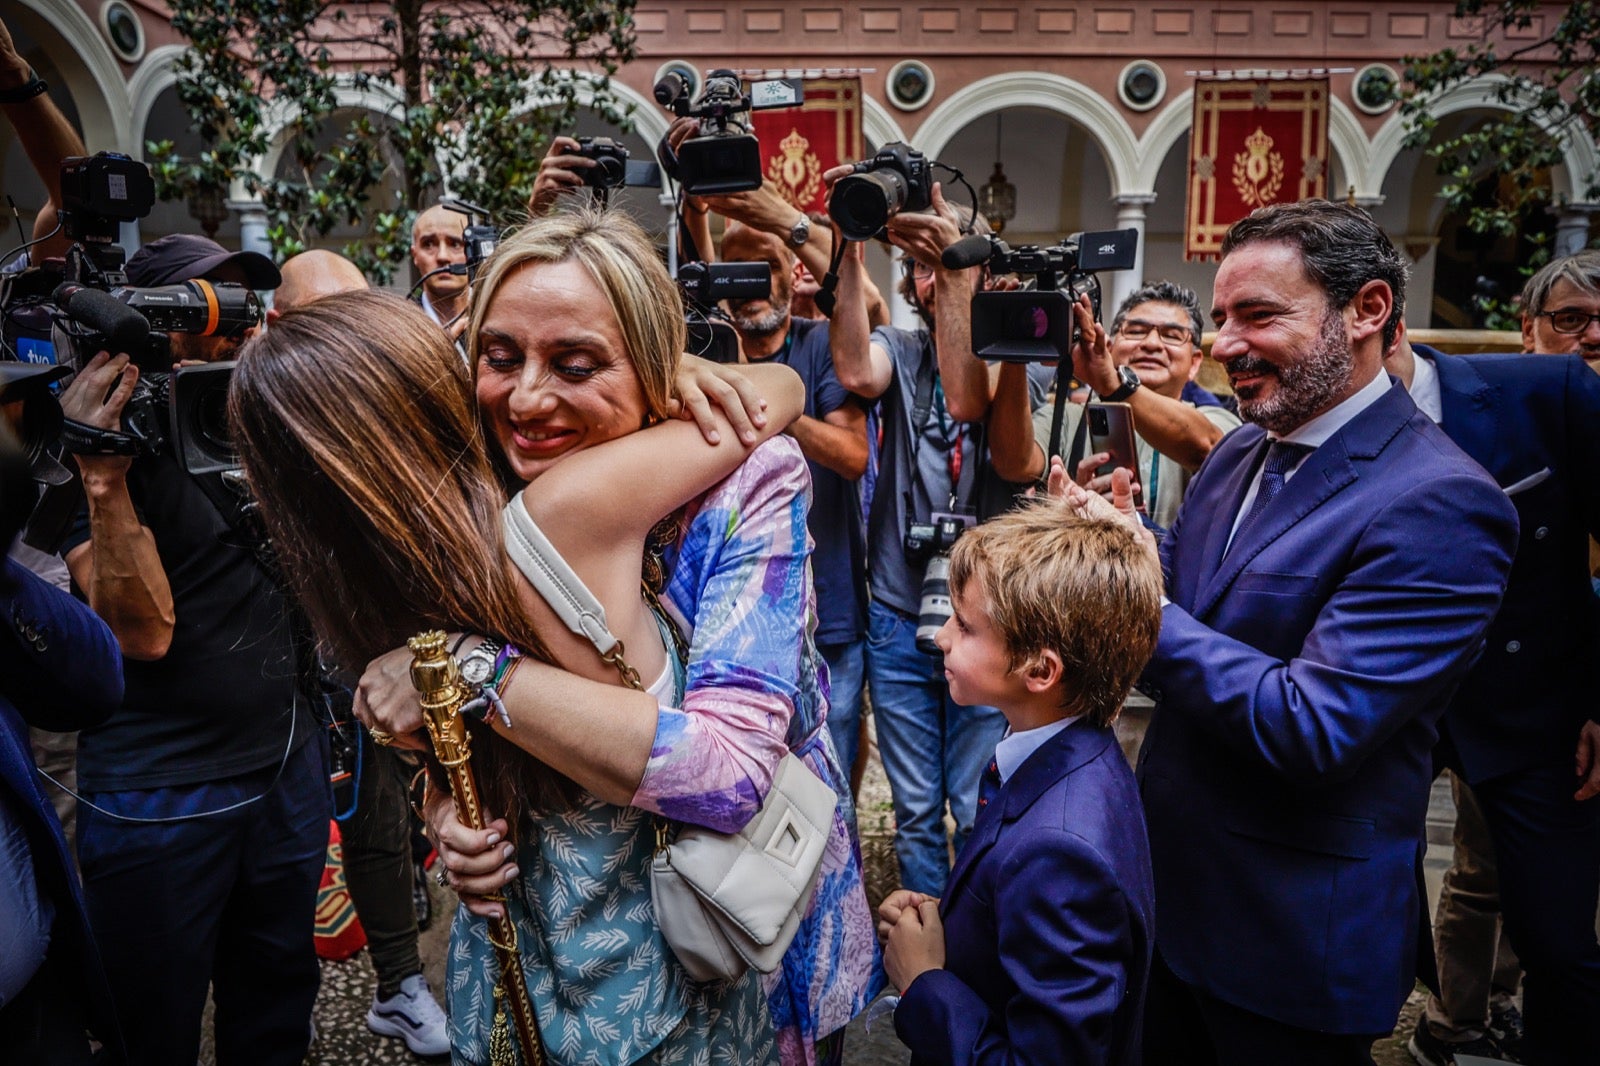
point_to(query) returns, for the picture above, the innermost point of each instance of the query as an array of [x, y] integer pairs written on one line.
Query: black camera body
[[924, 540], [610, 168], [100, 192], [479, 239], [708, 283], [725, 156], [1037, 324], [897, 179]]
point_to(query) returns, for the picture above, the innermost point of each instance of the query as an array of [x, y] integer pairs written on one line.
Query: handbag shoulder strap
[[553, 579]]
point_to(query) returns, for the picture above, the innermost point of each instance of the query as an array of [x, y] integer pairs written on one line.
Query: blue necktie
[[989, 783], [1281, 458]]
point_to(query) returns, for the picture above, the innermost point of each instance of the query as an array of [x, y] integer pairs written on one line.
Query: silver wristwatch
[[477, 666], [800, 232]]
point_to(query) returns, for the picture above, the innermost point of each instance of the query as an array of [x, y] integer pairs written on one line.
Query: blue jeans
[[934, 749], [847, 665]]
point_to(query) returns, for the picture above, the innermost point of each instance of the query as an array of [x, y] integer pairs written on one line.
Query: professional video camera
[[1037, 324], [704, 286], [725, 156], [896, 179], [87, 299]]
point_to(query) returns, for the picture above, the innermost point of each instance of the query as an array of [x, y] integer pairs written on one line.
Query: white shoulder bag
[[724, 901]]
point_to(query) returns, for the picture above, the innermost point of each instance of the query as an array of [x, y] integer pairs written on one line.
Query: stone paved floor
[[347, 987]]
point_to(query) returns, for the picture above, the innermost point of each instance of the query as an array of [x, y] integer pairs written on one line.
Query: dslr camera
[[930, 543], [613, 168], [896, 179], [1036, 324], [724, 156]]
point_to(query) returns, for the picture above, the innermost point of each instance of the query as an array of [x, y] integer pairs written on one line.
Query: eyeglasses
[[1568, 321], [919, 270], [1135, 330]]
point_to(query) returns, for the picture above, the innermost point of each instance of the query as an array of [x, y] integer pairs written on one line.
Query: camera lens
[[935, 606], [607, 171], [211, 416], [862, 203]]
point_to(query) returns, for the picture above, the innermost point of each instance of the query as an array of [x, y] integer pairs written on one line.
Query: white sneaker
[[413, 1016]]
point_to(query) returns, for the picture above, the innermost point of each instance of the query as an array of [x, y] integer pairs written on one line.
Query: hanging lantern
[[997, 198]]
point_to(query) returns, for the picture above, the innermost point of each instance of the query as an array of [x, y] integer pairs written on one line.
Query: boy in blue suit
[[1040, 949]]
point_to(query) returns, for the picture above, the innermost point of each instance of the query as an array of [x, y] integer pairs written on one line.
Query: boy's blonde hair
[[1084, 588]]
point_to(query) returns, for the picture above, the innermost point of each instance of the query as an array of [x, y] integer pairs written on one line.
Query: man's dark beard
[[1304, 387]]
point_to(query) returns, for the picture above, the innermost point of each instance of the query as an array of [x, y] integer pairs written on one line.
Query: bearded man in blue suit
[[1525, 718], [1331, 575]]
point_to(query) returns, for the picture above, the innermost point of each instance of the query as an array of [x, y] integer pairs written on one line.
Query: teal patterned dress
[[606, 988]]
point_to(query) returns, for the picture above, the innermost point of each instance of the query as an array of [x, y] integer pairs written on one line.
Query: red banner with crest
[[1252, 143], [799, 143]]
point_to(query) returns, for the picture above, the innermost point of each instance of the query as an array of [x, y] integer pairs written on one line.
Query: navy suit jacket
[[1533, 422], [60, 669], [1300, 680], [1048, 919]]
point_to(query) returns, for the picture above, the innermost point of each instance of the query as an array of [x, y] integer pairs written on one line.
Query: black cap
[[185, 256]]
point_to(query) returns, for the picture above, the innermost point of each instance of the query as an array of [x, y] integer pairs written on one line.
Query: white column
[[252, 226], [1130, 215], [1572, 227]]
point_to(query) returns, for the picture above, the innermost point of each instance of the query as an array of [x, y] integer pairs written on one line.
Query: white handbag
[[724, 901]]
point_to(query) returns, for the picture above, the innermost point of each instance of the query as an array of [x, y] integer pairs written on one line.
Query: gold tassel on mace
[[435, 676]]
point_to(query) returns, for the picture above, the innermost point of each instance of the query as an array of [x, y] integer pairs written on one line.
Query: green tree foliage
[[1540, 62], [444, 81]]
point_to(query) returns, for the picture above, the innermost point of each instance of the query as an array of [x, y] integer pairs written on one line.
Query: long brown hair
[[359, 435]]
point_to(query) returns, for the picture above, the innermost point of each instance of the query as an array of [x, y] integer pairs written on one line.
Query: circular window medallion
[[1142, 85], [123, 30], [910, 84], [1374, 88]]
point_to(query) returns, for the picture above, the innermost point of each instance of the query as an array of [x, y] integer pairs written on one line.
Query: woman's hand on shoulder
[[703, 391], [757, 400]]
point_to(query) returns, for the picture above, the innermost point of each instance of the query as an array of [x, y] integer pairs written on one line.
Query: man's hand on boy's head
[[916, 944], [1089, 504]]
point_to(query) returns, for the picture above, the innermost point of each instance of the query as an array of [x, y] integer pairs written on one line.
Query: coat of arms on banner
[[799, 144], [795, 170], [1253, 142]]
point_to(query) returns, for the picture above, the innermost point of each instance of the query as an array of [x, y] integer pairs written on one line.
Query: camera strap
[[80, 438]]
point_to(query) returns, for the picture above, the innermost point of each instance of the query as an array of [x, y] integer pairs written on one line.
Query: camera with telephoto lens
[[724, 156], [1036, 324], [931, 542], [704, 286], [896, 179]]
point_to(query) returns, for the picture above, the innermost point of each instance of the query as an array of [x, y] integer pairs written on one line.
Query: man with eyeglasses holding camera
[[1561, 308], [1150, 355]]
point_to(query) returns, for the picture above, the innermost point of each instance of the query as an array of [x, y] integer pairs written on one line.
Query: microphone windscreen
[[967, 252], [125, 329]]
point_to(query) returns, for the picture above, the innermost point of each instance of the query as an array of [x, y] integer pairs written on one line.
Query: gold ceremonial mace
[[434, 674]]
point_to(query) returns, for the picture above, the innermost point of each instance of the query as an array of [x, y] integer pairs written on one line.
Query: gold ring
[[381, 738]]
